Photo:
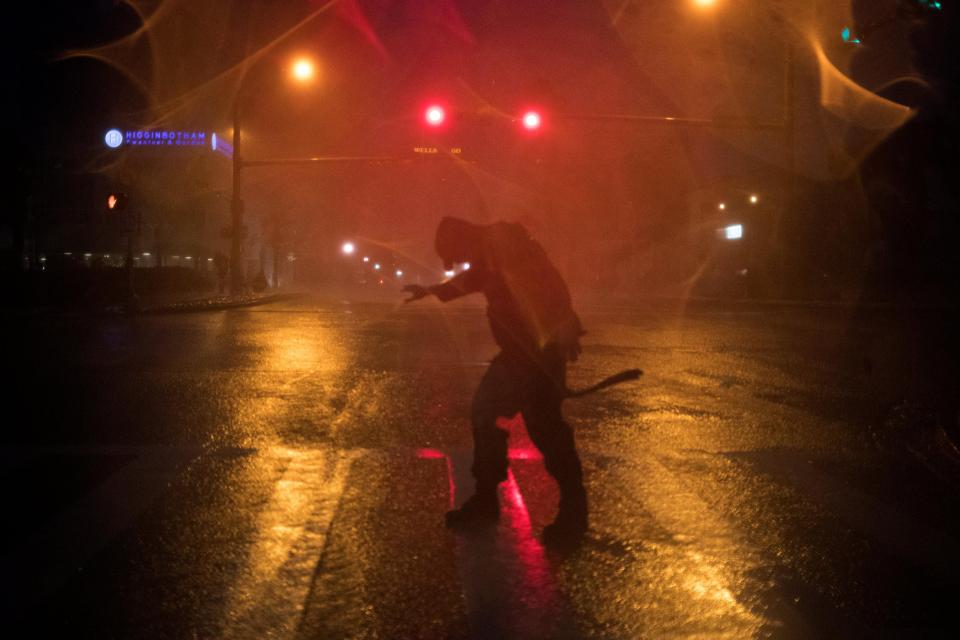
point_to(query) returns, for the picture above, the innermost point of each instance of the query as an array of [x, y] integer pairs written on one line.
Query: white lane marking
[[508, 582], [705, 565], [269, 596]]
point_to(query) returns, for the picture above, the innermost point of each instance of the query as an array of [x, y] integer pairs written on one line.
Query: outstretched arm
[[416, 292], [466, 282]]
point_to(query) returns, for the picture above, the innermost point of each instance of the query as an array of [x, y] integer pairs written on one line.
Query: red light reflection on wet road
[[506, 574]]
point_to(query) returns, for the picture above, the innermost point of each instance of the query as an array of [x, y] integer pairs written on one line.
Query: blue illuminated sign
[[166, 138], [113, 138], [155, 138]]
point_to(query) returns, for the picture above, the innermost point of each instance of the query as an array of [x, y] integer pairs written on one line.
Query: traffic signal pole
[[237, 280], [237, 229], [786, 124]]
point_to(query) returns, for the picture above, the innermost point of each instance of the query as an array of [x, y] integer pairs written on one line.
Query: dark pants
[[536, 388]]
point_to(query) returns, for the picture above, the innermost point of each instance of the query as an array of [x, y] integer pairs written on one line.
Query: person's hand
[[416, 292]]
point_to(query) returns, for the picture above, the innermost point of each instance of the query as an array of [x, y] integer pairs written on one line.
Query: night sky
[[79, 71]]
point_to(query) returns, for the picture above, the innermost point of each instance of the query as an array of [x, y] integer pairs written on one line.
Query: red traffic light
[[531, 120], [435, 115]]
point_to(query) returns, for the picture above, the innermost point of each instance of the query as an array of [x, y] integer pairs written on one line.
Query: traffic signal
[[435, 115], [848, 36], [928, 5], [531, 120], [117, 201]]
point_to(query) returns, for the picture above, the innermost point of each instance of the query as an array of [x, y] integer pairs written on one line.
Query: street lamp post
[[790, 151], [302, 71], [788, 126], [237, 230]]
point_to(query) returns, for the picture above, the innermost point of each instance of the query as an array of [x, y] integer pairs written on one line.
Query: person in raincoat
[[538, 332]]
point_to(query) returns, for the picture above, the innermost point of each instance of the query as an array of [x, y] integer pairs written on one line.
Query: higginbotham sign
[[116, 138]]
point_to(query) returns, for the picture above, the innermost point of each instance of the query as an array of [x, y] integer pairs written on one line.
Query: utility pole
[[790, 153], [237, 230]]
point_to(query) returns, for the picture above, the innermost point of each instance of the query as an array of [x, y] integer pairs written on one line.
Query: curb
[[216, 304]]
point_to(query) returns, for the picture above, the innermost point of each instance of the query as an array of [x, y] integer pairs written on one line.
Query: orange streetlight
[[303, 70]]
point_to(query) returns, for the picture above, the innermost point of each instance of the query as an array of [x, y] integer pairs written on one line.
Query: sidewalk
[[189, 303]]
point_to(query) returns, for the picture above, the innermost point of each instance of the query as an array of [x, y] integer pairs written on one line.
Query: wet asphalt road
[[283, 471]]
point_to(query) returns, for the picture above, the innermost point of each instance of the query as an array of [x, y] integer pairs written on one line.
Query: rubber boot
[[482, 507], [570, 525]]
